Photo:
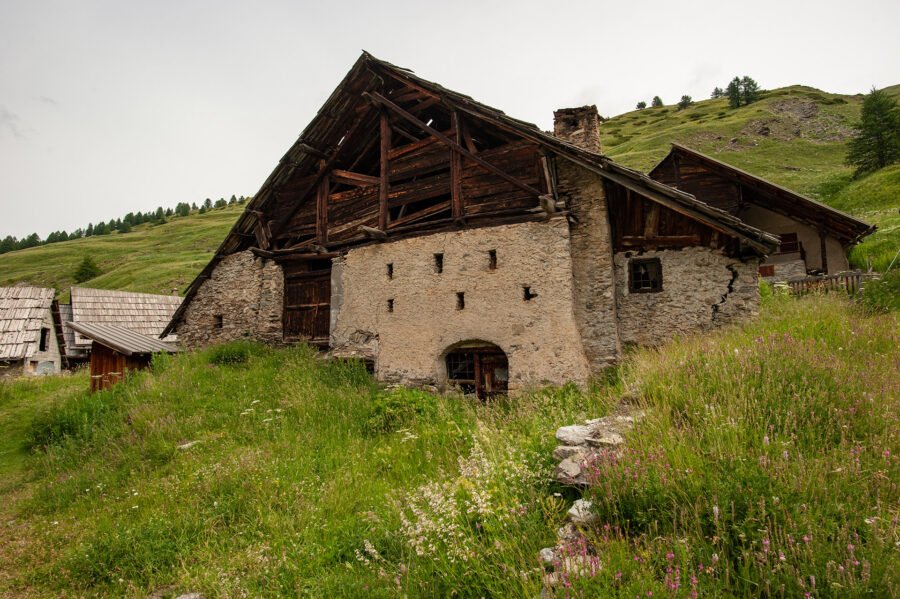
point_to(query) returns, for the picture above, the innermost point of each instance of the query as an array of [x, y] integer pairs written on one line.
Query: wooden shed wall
[[108, 366]]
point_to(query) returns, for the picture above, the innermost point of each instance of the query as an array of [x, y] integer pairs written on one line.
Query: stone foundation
[[409, 344], [246, 292], [701, 288]]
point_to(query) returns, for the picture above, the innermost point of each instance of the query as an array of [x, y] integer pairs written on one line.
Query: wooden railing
[[849, 282]]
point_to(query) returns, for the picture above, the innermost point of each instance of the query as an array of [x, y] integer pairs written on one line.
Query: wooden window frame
[[636, 262]]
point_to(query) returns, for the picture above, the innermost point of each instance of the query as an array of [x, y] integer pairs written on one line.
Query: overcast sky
[[108, 107]]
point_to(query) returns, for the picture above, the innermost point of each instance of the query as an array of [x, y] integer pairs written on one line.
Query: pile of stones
[[581, 445]]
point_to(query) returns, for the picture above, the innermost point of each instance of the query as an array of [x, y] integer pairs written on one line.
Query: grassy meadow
[[149, 258], [767, 466]]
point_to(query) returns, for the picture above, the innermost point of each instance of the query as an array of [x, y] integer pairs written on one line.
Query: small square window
[[390, 271], [45, 340], [439, 263], [492, 259], [218, 321], [390, 305], [460, 300], [527, 293], [646, 276]]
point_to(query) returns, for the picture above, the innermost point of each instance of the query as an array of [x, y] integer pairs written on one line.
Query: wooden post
[[322, 207], [456, 170], [824, 250], [385, 171]]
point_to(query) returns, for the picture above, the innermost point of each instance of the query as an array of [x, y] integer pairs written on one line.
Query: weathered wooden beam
[[322, 208], [403, 133], [350, 178], [329, 164], [379, 99], [456, 192], [295, 254], [373, 233], [262, 233], [384, 182], [651, 221]]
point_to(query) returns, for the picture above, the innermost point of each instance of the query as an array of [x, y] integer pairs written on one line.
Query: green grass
[[150, 258], [803, 151], [308, 480]]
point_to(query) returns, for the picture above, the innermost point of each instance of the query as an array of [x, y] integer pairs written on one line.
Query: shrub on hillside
[[86, 270], [882, 295], [75, 419], [394, 409], [230, 354]]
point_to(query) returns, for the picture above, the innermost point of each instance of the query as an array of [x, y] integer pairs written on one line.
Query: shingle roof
[[144, 313], [22, 311], [125, 341]]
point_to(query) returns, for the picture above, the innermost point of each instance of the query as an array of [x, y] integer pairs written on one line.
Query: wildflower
[[715, 558], [781, 557], [765, 439], [670, 556], [807, 539], [765, 544]]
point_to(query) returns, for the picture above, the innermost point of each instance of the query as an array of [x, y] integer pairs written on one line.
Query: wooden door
[[307, 303]]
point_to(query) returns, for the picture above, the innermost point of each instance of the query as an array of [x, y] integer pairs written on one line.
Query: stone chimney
[[578, 126]]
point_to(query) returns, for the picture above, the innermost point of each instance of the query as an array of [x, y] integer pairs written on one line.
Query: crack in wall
[[734, 277]]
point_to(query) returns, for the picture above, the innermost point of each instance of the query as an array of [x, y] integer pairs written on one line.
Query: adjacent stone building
[[28, 333], [813, 238], [449, 244]]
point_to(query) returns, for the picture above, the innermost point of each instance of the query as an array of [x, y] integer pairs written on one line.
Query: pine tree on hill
[[877, 141], [641, 105], [87, 270], [733, 91], [717, 92], [749, 90], [685, 102], [657, 102]]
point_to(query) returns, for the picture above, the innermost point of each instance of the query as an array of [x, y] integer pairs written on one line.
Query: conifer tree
[[86, 270], [657, 102], [685, 102], [877, 141], [641, 105], [733, 91], [749, 90]]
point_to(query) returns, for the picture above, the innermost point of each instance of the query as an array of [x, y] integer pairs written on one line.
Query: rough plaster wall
[[592, 262], [694, 281], [51, 354], [247, 292], [772, 222], [540, 336]]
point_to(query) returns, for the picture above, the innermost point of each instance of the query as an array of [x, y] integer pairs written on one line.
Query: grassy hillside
[[768, 465], [794, 136], [150, 258]]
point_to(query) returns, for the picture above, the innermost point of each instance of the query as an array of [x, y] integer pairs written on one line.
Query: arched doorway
[[478, 368]]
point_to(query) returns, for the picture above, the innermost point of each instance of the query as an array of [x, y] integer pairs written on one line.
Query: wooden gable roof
[[22, 312], [728, 187], [343, 182], [145, 313]]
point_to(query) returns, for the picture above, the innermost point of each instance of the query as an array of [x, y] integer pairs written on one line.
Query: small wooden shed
[[115, 350]]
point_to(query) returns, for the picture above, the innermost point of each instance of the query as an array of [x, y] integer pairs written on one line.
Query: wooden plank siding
[[108, 366], [640, 224]]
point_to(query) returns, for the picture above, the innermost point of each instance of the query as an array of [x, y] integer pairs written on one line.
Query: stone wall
[[592, 262], [578, 126], [40, 361], [789, 269], [539, 336], [701, 288], [247, 293]]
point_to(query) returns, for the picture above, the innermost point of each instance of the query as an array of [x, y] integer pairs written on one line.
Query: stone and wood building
[[813, 238], [29, 341], [449, 244]]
